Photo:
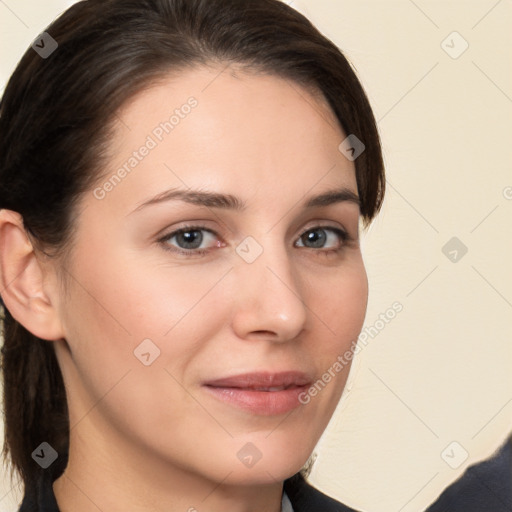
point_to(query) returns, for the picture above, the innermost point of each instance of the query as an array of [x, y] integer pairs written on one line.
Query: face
[[168, 291]]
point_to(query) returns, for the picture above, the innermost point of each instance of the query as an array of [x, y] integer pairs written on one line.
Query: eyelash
[[343, 235]]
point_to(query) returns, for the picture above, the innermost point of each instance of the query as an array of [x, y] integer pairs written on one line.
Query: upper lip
[[262, 380]]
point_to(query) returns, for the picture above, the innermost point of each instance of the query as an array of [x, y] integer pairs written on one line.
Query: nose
[[268, 299]]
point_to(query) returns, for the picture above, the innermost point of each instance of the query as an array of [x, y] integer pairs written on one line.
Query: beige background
[[440, 371]]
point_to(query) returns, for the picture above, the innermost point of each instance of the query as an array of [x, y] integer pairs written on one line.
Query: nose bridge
[[269, 296]]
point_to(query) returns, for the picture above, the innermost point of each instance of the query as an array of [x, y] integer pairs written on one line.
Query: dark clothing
[[303, 497], [484, 487]]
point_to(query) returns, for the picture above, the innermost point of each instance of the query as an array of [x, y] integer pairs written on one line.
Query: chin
[[275, 468], [266, 475]]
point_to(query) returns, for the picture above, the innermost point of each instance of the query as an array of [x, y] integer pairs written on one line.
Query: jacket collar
[[306, 498]]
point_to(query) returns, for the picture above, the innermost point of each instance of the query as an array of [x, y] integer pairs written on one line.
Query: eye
[[320, 236], [188, 240]]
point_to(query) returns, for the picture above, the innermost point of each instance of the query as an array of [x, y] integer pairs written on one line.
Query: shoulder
[[306, 498], [486, 485]]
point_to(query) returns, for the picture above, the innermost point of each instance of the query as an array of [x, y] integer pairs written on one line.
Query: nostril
[[266, 333]]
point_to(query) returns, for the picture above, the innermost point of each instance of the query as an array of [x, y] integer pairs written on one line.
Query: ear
[[24, 286]]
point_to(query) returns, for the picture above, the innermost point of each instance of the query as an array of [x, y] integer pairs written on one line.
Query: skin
[[150, 437]]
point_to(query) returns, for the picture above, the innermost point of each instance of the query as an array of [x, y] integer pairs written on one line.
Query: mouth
[[275, 388], [266, 394]]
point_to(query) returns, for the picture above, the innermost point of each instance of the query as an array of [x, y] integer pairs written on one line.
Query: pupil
[[188, 238], [316, 237]]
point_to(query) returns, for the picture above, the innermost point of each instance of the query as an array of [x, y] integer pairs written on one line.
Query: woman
[[182, 183]]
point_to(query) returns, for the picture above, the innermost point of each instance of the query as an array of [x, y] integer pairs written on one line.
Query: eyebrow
[[230, 202]]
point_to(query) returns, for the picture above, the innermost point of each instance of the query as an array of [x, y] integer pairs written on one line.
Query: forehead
[[212, 128]]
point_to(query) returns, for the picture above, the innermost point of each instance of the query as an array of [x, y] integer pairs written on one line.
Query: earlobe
[[24, 290]]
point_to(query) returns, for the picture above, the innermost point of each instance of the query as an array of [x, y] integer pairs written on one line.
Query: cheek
[[121, 301], [340, 303], [114, 309], [340, 307]]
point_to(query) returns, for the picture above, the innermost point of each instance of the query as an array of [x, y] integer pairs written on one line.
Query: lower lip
[[267, 403]]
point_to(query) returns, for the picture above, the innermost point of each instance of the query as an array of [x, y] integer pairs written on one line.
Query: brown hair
[[55, 120]]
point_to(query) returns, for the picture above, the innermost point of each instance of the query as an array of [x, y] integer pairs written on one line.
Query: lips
[[263, 393], [262, 381]]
